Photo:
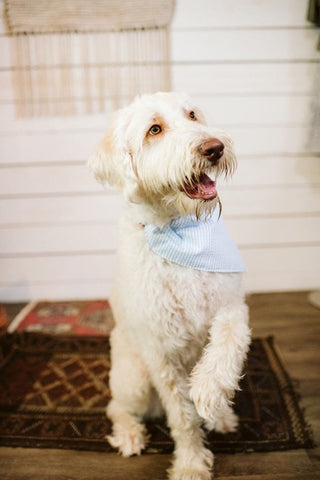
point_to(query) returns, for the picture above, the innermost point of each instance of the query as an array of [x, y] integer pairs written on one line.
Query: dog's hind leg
[[131, 396]]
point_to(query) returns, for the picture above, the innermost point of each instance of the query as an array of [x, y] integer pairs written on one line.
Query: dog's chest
[[179, 305], [174, 303], [177, 301]]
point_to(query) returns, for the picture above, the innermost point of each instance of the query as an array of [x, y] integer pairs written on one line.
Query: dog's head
[[161, 154]]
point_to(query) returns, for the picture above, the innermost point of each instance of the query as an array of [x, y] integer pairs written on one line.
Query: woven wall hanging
[[80, 56]]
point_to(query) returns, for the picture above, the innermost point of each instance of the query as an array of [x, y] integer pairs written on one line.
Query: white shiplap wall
[[253, 71]]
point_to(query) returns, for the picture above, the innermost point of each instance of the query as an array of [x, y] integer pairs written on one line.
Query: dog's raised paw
[[209, 399], [225, 421]]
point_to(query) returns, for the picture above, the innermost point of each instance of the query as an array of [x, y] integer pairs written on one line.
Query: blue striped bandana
[[203, 244]]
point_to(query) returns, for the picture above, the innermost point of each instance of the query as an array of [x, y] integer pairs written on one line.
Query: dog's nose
[[212, 149]]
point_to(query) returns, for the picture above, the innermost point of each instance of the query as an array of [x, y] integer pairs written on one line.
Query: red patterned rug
[[92, 317], [54, 389]]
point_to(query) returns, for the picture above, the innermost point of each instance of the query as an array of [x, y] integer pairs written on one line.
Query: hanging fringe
[[64, 74], [63, 63]]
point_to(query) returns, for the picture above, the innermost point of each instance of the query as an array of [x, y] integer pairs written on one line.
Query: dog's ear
[[103, 161]]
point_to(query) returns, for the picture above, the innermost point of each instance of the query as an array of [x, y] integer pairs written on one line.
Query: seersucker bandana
[[203, 244]]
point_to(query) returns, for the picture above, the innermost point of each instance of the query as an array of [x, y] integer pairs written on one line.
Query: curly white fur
[[181, 335]]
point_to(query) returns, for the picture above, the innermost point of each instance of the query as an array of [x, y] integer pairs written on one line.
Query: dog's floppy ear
[[103, 161]]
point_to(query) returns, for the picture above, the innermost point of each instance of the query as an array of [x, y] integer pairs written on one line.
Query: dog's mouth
[[201, 188]]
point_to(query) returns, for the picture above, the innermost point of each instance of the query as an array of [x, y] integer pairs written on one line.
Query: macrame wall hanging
[[87, 56]]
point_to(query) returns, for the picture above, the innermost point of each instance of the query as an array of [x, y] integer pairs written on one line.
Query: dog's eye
[[155, 130], [192, 115]]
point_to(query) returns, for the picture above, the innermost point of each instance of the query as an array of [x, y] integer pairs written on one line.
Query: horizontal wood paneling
[[58, 268], [271, 201], [276, 267], [70, 209], [244, 45], [24, 290], [274, 170], [46, 180], [271, 141], [53, 147], [74, 239], [250, 13], [256, 110], [251, 79], [274, 232], [58, 239]]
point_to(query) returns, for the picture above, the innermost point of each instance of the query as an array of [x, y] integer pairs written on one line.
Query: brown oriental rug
[[54, 389]]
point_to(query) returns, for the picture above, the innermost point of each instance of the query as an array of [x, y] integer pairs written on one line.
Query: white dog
[[181, 333]]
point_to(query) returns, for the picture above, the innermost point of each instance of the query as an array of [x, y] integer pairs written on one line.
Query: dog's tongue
[[205, 189], [206, 183]]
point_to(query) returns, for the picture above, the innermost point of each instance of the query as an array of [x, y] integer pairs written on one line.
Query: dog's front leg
[[192, 461], [216, 376]]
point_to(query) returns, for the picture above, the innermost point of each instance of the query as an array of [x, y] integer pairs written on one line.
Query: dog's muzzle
[[202, 187]]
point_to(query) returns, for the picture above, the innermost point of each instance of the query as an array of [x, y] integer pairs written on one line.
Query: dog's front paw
[[209, 398], [225, 421]]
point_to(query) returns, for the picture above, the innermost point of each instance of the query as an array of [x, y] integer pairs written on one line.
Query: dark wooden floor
[[296, 327]]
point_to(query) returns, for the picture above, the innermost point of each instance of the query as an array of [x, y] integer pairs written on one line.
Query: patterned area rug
[[54, 389]]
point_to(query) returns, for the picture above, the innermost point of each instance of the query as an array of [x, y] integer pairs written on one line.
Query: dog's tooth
[[212, 175]]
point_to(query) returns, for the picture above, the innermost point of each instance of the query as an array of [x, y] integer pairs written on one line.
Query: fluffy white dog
[[181, 333]]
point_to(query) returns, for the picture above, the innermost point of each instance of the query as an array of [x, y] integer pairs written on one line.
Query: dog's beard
[[199, 188], [179, 204], [195, 194], [177, 190]]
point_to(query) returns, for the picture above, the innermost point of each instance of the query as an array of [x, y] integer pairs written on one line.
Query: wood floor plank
[[42, 464], [276, 476], [270, 463]]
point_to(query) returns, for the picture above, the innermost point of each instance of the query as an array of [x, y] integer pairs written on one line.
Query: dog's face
[[161, 153]]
